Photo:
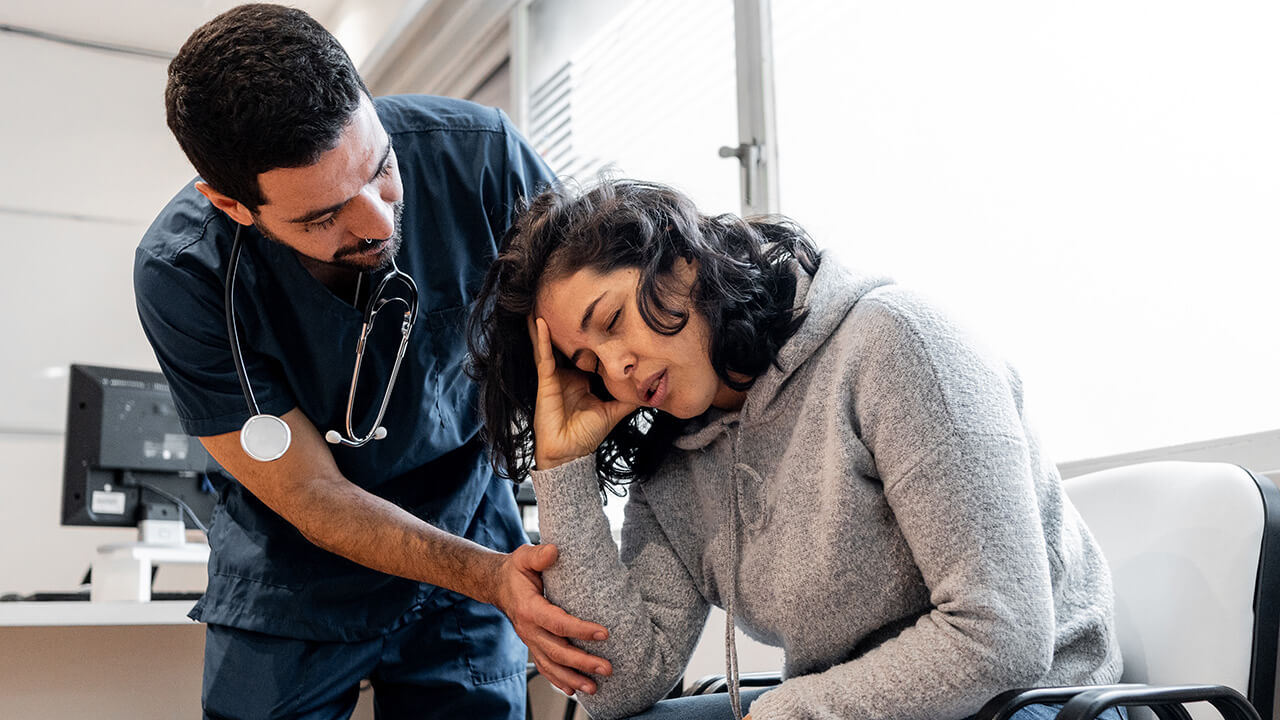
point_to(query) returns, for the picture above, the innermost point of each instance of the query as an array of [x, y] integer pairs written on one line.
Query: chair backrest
[[1194, 552]]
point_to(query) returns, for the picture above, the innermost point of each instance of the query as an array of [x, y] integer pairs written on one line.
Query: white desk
[[71, 660], [73, 613]]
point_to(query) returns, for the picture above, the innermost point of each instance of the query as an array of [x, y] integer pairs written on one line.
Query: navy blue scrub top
[[465, 172]]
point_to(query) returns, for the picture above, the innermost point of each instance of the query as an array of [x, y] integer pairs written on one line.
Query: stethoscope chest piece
[[265, 437]]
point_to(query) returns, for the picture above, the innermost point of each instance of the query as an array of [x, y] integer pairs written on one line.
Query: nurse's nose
[[372, 216]]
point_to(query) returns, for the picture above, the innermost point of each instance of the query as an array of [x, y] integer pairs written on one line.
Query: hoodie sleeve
[[945, 428], [644, 596]]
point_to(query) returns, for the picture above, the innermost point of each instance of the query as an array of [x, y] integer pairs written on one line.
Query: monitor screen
[[127, 458]]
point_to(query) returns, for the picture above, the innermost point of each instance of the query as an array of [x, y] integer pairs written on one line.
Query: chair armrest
[[1088, 705], [1004, 705], [718, 683]]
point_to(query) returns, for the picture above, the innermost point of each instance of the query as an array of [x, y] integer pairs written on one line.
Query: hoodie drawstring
[[730, 637]]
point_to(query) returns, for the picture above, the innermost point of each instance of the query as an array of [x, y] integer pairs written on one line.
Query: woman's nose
[[619, 362]]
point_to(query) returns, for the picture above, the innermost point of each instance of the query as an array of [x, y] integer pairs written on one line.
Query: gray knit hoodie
[[878, 508]]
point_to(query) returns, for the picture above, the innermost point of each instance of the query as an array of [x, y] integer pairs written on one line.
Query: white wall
[[88, 162], [1090, 185]]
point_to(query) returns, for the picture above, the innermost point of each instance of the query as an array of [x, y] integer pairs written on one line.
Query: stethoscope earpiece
[[333, 437]]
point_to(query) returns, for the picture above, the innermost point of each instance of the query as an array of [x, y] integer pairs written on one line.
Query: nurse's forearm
[[344, 519], [305, 487], [380, 535]]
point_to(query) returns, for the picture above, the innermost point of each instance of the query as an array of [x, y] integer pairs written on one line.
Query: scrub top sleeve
[[526, 175], [182, 315]]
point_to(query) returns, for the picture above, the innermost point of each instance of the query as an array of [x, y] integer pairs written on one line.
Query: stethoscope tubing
[[267, 437], [229, 302], [375, 305]]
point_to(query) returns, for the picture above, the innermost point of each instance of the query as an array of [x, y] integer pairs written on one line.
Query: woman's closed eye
[[589, 362], [613, 322]]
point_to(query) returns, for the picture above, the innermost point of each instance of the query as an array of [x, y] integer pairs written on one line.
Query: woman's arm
[[645, 597]]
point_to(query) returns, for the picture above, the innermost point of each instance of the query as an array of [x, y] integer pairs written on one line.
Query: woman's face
[[595, 321]]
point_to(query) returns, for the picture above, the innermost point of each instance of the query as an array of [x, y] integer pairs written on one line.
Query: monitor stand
[[122, 571]]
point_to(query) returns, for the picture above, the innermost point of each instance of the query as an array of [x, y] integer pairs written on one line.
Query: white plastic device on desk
[[122, 572]]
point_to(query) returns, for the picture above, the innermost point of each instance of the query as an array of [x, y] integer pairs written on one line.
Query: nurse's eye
[[321, 224], [612, 322], [385, 171]]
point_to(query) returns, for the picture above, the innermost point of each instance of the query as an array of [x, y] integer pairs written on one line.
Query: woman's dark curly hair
[[745, 288]]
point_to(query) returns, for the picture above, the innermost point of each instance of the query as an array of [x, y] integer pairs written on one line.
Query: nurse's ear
[[225, 203]]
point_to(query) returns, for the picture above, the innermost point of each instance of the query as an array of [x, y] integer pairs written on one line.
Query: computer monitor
[[127, 459]]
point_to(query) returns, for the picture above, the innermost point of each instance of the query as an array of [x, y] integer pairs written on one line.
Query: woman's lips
[[659, 394]]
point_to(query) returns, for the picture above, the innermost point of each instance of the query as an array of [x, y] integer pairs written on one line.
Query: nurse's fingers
[[567, 682], [551, 617], [561, 624], [563, 664]]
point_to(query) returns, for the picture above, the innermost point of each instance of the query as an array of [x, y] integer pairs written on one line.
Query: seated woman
[[819, 452]]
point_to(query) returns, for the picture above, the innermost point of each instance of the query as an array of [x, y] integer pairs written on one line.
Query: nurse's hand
[[569, 421], [545, 627]]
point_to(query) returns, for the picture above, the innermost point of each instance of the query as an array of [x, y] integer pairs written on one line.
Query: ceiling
[[160, 25]]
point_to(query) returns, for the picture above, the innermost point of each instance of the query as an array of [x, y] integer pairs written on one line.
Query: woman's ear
[[686, 272]]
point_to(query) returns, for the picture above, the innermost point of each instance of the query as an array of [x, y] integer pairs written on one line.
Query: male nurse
[[399, 559]]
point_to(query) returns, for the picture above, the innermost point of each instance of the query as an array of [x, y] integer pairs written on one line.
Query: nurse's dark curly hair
[[745, 288], [259, 87]]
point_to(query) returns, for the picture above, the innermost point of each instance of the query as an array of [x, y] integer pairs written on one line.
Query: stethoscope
[[266, 437]]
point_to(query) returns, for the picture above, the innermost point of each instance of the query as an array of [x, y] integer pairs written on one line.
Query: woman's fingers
[[568, 420], [616, 410], [548, 411], [543, 356], [542, 348]]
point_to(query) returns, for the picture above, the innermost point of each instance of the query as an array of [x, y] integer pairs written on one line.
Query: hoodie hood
[[827, 297]]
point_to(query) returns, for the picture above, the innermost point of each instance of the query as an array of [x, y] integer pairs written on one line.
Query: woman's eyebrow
[[586, 320], [591, 309]]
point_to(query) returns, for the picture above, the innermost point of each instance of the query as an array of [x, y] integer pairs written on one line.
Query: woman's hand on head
[[569, 421]]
